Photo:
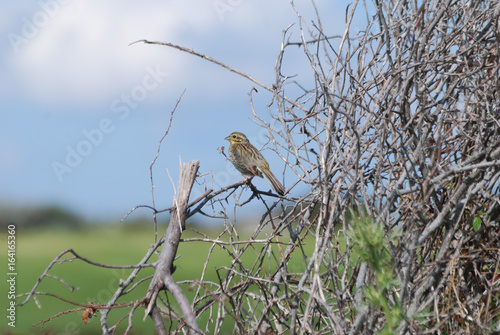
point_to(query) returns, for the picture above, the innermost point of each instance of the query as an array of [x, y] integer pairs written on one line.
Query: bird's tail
[[275, 184]]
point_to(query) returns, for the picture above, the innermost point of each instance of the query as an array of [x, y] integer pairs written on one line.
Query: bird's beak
[[227, 138]]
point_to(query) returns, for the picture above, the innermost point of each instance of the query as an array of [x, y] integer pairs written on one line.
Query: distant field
[[112, 245], [36, 249]]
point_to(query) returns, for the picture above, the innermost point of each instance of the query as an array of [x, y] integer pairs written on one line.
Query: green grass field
[[36, 249], [118, 245]]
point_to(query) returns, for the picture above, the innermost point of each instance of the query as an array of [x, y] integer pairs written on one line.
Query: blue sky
[[83, 112]]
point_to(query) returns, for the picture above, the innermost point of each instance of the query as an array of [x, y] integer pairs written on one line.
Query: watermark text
[[121, 107], [31, 26], [11, 275]]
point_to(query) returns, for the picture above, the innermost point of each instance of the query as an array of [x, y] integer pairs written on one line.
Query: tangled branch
[[394, 146]]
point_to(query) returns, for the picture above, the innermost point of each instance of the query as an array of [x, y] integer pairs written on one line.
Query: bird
[[250, 162]]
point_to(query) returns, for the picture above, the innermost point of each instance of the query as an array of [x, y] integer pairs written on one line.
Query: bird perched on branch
[[249, 161]]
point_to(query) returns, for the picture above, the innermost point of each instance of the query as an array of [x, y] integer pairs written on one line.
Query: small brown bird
[[249, 161]]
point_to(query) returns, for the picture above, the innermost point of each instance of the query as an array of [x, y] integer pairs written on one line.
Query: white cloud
[[76, 52]]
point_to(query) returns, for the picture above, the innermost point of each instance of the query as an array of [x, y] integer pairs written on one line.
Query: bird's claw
[[248, 181]]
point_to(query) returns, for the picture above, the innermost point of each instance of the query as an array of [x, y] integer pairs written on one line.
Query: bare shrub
[[398, 146]]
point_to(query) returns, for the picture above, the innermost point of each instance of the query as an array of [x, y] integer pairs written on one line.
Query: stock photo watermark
[[106, 293], [121, 107], [11, 275], [221, 7], [32, 26]]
